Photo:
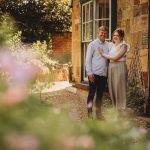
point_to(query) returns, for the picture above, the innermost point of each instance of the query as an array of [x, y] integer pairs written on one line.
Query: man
[[96, 67]]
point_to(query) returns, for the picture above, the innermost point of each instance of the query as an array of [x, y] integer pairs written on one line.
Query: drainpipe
[[148, 100]]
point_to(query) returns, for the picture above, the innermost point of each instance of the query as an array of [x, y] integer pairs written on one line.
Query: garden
[[33, 120]]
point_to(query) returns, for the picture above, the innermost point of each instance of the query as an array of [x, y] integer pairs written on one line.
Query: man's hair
[[103, 28]]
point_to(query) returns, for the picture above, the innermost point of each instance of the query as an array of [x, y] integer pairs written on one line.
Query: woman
[[117, 71]]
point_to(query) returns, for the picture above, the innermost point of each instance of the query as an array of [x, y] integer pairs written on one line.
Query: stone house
[[88, 15]]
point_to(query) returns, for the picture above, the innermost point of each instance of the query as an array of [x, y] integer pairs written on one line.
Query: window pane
[[102, 15], [87, 23], [87, 31], [88, 35], [91, 31], [83, 32], [102, 9], [91, 11], [106, 11], [85, 45], [87, 12], [83, 16]]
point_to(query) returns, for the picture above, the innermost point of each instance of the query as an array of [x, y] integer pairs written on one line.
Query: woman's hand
[[101, 51]]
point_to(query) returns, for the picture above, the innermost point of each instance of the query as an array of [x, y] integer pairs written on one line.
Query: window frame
[[94, 10], [87, 3], [112, 26]]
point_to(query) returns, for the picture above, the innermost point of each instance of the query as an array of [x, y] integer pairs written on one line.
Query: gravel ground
[[67, 101], [75, 104]]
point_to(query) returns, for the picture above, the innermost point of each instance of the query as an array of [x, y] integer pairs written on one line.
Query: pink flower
[[21, 142], [14, 95], [19, 73], [71, 142]]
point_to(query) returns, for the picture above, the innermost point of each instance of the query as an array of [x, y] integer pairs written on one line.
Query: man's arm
[[89, 55]]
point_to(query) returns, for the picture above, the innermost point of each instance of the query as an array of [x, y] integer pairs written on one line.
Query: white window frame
[[90, 21], [84, 42], [94, 29]]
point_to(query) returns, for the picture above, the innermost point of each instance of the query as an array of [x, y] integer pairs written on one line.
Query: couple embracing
[[99, 53]]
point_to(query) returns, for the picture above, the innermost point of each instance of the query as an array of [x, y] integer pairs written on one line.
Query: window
[[87, 30], [87, 21], [102, 15], [95, 13]]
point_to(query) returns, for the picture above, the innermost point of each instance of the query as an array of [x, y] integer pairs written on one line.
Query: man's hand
[[91, 77]]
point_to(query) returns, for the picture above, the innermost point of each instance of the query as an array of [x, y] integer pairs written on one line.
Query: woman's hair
[[120, 32]]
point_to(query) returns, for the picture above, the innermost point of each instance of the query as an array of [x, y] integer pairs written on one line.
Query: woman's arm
[[118, 55]]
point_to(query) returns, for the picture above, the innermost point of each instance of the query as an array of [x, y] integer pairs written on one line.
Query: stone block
[[119, 14], [136, 2], [135, 39], [136, 10], [127, 26], [144, 8], [137, 24], [143, 52], [144, 39], [143, 1], [144, 63], [144, 21]]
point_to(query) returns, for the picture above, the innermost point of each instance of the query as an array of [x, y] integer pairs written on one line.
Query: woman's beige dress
[[117, 78]]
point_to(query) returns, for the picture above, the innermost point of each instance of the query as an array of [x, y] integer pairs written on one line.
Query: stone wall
[[132, 16]]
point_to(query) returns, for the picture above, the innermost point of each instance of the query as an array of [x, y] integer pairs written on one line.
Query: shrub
[[135, 99]]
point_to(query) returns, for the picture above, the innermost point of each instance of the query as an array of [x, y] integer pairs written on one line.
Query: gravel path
[[73, 104]]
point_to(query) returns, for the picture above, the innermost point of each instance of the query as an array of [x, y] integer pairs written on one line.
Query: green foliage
[[37, 51], [3, 83], [32, 118], [50, 127], [15, 41], [135, 99], [34, 54], [37, 19], [39, 85], [41, 51], [38, 55], [62, 58], [6, 29]]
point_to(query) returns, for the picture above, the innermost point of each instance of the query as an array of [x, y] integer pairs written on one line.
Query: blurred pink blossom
[[19, 73], [14, 95], [85, 142], [21, 142]]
